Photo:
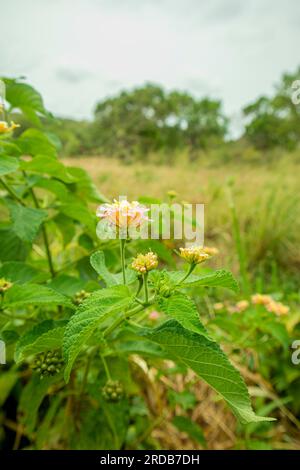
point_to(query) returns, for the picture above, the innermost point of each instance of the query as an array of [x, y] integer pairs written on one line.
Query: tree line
[[150, 119]]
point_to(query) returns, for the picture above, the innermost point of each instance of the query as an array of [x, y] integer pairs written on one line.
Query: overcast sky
[[79, 51]]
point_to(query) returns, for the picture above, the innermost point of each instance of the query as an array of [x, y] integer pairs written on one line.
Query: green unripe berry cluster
[[48, 363], [81, 296], [113, 391]]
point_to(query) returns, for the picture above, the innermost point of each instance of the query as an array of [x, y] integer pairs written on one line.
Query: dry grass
[[266, 197]]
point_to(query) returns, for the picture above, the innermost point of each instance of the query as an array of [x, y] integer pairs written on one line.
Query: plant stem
[[11, 192], [121, 319], [145, 278], [44, 232], [106, 368], [139, 287], [122, 251], [189, 271]]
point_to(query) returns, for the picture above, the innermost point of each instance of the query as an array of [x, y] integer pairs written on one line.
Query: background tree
[[275, 121], [150, 119]]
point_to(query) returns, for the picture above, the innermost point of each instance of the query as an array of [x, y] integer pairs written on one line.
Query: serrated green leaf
[[26, 98], [80, 213], [45, 336], [85, 188], [26, 221], [11, 247], [16, 271], [34, 294], [182, 308], [50, 166], [94, 310], [206, 358], [8, 165], [220, 278], [67, 285], [35, 142], [54, 186], [97, 261]]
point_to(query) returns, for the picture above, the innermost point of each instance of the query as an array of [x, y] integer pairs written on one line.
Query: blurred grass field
[[266, 198]]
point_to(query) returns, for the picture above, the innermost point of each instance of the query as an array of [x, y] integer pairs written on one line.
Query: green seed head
[[113, 391]]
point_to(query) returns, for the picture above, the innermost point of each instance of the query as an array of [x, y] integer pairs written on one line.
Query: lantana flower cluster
[[257, 299], [123, 214], [144, 263], [197, 254]]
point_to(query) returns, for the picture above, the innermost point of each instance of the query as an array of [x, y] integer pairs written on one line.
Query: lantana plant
[[76, 312]]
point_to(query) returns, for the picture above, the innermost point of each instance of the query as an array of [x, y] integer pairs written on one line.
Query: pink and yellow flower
[[123, 214]]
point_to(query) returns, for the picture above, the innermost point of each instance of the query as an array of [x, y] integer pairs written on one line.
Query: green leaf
[[26, 98], [85, 188], [35, 142], [80, 213], [188, 426], [9, 148], [16, 271], [45, 336], [49, 165], [97, 261], [32, 397], [54, 186], [11, 247], [66, 227], [26, 221], [182, 308], [97, 308], [67, 285], [206, 358], [33, 294], [220, 278], [8, 165], [7, 381]]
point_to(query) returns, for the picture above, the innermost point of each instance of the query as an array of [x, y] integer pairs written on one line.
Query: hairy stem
[[120, 320]]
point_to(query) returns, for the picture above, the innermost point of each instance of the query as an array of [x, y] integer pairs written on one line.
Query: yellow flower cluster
[[4, 285], [271, 305], [5, 127], [197, 254], [144, 263]]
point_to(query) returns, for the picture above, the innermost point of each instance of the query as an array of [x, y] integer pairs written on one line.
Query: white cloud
[[78, 51]]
